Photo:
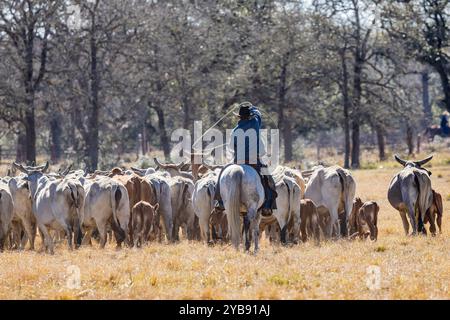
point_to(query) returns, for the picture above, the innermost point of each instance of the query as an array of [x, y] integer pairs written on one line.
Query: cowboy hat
[[244, 110]]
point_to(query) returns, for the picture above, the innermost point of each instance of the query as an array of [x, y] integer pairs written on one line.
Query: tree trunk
[[410, 139], [287, 136], [357, 89], [162, 132], [346, 103], [426, 100], [381, 142], [92, 143], [355, 145], [30, 133], [55, 136], [284, 123], [21, 147], [441, 70]]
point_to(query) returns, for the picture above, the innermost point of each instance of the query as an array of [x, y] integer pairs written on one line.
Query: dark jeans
[[270, 193]]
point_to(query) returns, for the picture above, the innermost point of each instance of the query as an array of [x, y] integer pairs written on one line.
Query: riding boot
[[218, 203], [270, 195]]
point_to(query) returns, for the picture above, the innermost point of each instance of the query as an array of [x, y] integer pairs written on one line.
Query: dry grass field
[[410, 268]]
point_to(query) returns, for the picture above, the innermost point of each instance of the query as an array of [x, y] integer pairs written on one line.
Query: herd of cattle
[[140, 205]]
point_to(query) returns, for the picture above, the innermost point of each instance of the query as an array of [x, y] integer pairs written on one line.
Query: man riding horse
[[249, 153]]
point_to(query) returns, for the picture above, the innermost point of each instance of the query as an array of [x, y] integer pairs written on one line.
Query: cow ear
[[399, 160], [156, 207], [424, 161]]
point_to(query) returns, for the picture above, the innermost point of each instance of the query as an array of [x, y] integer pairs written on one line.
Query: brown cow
[[434, 213], [144, 221], [363, 220], [309, 221], [218, 227], [138, 189]]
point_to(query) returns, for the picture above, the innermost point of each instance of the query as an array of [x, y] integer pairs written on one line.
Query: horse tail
[[234, 208]]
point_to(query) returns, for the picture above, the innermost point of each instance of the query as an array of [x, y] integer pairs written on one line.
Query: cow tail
[[211, 191], [348, 197], [116, 196], [77, 202], [422, 198]]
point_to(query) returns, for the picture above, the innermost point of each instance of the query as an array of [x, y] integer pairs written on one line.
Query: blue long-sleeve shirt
[[246, 141]]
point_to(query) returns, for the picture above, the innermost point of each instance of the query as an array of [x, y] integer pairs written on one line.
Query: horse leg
[[283, 235], [246, 232], [255, 220]]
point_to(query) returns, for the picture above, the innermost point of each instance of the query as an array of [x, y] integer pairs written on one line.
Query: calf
[[434, 213], [363, 219], [144, 220], [309, 221], [218, 226], [6, 213]]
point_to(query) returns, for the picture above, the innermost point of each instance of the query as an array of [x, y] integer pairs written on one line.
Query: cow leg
[[204, 228], [87, 236], [333, 224], [137, 230], [405, 221], [412, 219], [296, 228], [69, 233], [439, 222], [102, 233], [303, 227], [30, 231], [432, 224], [47, 239], [168, 226]]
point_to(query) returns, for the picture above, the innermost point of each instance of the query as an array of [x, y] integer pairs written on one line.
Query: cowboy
[[444, 123], [248, 148]]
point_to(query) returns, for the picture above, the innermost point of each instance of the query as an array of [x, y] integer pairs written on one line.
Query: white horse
[[242, 192]]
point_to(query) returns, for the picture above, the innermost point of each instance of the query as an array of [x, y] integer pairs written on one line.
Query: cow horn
[[20, 168], [207, 166], [307, 173], [138, 171], [424, 161], [101, 173], [159, 164], [65, 172], [45, 168], [179, 166], [399, 160]]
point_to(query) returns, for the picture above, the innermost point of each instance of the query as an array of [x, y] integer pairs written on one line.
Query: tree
[[26, 28]]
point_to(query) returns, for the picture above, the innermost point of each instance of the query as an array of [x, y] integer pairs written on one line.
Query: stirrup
[[266, 212]]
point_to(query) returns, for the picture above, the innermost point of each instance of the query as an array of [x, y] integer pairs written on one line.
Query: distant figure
[[444, 123]]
